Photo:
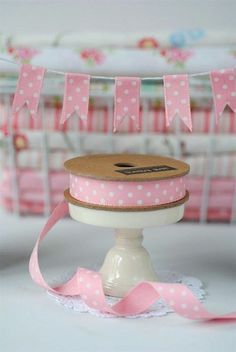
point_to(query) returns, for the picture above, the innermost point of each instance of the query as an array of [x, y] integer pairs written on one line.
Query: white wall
[[115, 16]]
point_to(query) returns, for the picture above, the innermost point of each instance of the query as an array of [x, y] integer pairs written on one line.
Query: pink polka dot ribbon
[[88, 285], [129, 194], [224, 90], [76, 96], [127, 96], [28, 89], [177, 100]]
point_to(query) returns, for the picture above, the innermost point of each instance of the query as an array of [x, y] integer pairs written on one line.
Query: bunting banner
[[224, 90], [127, 105], [177, 99], [76, 96], [127, 95], [28, 89]]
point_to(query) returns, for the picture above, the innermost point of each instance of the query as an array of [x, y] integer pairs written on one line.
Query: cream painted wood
[[128, 262], [126, 219]]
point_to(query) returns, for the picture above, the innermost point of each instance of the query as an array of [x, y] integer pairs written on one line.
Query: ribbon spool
[[129, 193]]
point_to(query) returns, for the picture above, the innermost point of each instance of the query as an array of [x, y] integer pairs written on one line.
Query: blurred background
[[147, 38], [133, 37]]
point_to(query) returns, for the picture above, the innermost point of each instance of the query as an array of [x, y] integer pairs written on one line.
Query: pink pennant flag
[[127, 95], [76, 96], [28, 89], [224, 90], [177, 100]]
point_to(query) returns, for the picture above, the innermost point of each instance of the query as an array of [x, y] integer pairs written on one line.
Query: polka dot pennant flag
[[224, 90], [88, 284], [76, 96], [127, 96], [28, 89], [177, 100]]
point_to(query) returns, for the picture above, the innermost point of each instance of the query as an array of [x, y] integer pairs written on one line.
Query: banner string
[[109, 78]]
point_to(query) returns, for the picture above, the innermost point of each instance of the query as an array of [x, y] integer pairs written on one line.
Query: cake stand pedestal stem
[[126, 264]]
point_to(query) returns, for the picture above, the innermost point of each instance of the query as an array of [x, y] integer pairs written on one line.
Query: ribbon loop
[[177, 100], [88, 284]]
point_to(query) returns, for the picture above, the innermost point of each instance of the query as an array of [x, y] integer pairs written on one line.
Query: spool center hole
[[124, 165]]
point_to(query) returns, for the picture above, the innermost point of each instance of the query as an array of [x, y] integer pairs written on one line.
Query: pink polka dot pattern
[[88, 284], [224, 90], [76, 96], [177, 100], [113, 193], [127, 95], [28, 89]]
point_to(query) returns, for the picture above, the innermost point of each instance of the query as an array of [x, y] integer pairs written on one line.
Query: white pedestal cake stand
[[128, 262]]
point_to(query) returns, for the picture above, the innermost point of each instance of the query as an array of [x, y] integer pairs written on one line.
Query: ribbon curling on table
[[88, 285]]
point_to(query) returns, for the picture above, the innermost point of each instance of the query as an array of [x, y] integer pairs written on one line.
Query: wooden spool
[[126, 168], [128, 262]]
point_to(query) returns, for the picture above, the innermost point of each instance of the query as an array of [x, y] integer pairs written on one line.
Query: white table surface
[[31, 321]]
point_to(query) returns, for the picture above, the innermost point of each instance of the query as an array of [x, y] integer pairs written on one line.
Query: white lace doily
[[157, 310]]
